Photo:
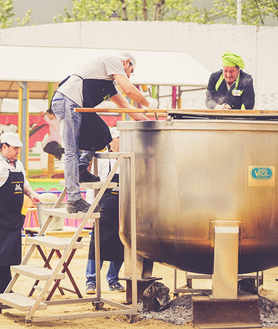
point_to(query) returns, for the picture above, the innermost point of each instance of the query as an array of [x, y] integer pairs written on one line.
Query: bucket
[[57, 223]]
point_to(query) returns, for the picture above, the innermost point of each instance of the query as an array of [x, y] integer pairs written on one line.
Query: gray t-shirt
[[101, 68]]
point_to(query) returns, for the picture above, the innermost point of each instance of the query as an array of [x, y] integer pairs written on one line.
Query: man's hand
[[153, 103], [222, 107], [35, 197]]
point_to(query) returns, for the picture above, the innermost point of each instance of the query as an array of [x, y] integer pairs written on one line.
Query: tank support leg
[[224, 309], [225, 269]]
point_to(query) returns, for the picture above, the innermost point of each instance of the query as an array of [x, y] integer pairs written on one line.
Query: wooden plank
[[96, 185], [182, 111], [20, 302], [60, 212], [119, 110], [53, 242], [82, 315], [35, 272], [66, 232]]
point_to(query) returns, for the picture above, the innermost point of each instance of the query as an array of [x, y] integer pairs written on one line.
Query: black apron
[[11, 219], [94, 133], [111, 247]]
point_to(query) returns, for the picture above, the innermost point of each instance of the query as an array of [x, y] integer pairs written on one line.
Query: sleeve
[[46, 118], [114, 65], [26, 182], [4, 174], [211, 94], [248, 96]]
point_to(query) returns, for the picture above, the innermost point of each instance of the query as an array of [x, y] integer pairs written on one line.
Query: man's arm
[[248, 96], [211, 94], [130, 90], [31, 194], [122, 102]]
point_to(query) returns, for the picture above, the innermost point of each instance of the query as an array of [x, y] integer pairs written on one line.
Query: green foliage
[[25, 19], [253, 11], [100, 10], [6, 15]]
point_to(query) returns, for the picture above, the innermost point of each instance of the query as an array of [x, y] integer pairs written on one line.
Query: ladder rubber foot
[[134, 318], [98, 305]]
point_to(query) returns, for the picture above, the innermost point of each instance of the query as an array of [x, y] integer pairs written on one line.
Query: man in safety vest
[[230, 88]]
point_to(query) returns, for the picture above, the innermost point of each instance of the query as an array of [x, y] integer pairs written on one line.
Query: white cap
[[114, 132], [126, 55], [11, 139]]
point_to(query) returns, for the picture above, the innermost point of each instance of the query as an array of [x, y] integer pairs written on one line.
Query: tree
[[253, 11], [133, 10], [6, 15]]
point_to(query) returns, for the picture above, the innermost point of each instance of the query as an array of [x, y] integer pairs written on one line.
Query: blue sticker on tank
[[261, 173]]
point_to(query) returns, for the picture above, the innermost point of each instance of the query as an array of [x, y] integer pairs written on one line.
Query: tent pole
[[174, 97], [50, 93], [19, 123], [25, 127]]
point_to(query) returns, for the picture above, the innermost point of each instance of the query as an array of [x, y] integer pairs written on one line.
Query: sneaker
[[90, 289], [86, 177], [77, 206], [80, 206], [116, 286]]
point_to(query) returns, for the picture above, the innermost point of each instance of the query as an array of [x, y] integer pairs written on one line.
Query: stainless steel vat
[[190, 173]]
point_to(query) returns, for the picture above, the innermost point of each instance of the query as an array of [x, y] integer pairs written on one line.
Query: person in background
[[13, 186], [53, 145], [111, 247], [230, 88], [88, 87]]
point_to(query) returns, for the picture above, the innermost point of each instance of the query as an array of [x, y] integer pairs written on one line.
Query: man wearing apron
[[230, 88], [88, 87], [111, 247], [13, 184]]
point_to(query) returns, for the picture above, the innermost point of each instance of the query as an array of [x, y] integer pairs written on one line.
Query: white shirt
[[103, 171], [101, 68], [4, 171]]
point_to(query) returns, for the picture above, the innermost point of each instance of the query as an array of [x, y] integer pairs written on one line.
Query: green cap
[[231, 59]]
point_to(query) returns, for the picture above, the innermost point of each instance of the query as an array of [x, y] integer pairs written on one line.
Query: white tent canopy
[[41, 64]]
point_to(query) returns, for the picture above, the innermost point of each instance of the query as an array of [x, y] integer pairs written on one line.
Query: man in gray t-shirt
[[88, 87]]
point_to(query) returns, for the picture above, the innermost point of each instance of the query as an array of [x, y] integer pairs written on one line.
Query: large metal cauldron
[[192, 172]]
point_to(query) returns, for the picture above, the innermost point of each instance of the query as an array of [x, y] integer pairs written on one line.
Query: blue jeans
[[112, 275], [63, 108]]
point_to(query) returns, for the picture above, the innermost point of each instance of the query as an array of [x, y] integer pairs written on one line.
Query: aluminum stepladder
[[20, 302]]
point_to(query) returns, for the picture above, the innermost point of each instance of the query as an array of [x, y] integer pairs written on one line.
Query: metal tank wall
[[190, 173]]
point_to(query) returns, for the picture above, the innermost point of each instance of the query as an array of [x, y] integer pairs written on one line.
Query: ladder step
[[96, 185], [107, 155], [54, 242], [35, 272], [40, 288], [61, 212], [20, 302]]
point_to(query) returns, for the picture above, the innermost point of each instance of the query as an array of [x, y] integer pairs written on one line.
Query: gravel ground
[[179, 311]]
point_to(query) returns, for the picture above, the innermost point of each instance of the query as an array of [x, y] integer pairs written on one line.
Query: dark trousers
[[5, 277]]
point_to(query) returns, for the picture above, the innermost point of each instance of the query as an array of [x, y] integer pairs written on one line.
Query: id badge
[[236, 92]]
